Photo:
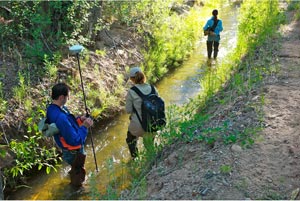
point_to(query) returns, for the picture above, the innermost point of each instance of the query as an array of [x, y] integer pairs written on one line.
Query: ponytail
[[139, 78]]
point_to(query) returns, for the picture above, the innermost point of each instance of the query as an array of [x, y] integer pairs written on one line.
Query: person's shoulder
[[142, 86], [52, 107]]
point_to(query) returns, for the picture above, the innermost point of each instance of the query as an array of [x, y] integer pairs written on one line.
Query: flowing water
[[109, 140]]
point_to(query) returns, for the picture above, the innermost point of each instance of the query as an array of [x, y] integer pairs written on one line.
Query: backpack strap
[[214, 25], [143, 96]]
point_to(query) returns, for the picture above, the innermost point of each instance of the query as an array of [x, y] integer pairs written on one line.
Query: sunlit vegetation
[[251, 36], [39, 33], [253, 55], [46, 28]]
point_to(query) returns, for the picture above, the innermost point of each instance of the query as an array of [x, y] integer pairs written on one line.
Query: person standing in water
[[133, 106], [213, 27], [72, 132]]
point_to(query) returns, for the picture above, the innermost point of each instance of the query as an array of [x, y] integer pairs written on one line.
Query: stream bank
[[111, 149], [269, 167]]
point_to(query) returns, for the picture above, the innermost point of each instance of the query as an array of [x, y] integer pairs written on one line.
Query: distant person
[[133, 105], [72, 132], [213, 26]]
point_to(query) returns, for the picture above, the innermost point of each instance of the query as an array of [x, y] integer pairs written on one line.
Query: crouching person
[[72, 132]]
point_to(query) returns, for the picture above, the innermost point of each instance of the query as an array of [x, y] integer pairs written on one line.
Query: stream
[[178, 87]]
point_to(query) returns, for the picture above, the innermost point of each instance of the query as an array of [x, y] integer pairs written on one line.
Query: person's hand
[[88, 122], [83, 118]]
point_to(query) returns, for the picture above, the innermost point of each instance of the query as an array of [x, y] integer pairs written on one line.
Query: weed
[[225, 169], [101, 53]]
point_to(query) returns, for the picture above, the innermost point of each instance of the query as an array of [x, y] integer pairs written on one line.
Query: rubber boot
[[77, 173], [132, 144]]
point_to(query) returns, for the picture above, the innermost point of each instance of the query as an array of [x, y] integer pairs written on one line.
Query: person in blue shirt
[[213, 39], [72, 131]]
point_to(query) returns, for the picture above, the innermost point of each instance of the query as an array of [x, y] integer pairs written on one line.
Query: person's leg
[[77, 173], [216, 49], [68, 156], [209, 48], [132, 144]]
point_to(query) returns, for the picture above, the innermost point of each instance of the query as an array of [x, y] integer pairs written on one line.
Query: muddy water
[[111, 149]]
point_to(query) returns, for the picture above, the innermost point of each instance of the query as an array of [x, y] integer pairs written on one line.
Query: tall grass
[[174, 38]]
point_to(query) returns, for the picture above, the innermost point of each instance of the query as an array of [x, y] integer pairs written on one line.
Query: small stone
[[236, 148]]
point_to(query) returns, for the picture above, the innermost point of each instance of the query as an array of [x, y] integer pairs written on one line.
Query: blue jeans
[[69, 156]]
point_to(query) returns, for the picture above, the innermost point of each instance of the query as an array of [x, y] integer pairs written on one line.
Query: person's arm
[[73, 135], [129, 103], [207, 25]]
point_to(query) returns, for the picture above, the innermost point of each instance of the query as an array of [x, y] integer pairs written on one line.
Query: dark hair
[[215, 12], [60, 89], [139, 78]]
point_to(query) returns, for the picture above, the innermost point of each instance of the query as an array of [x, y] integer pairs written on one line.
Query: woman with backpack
[[213, 27], [134, 108]]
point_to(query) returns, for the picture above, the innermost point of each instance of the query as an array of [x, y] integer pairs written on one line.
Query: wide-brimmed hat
[[134, 70]]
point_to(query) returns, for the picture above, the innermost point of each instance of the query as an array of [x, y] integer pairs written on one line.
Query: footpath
[[269, 169]]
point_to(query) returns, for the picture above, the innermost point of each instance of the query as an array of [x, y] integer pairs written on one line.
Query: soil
[[268, 169]]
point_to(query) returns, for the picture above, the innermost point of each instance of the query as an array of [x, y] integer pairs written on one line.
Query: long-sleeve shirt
[[71, 136], [217, 30]]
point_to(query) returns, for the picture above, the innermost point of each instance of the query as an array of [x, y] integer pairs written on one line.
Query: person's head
[[215, 12], [137, 76], [60, 93]]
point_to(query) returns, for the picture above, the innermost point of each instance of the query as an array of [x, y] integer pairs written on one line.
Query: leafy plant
[[29, 154], [20, 91], [225, 169]]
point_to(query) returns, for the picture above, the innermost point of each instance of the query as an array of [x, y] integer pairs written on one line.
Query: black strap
[[143, 96], [214, 25], [137, 114]]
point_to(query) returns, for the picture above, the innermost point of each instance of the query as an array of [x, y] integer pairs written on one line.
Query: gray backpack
[[47, 129]]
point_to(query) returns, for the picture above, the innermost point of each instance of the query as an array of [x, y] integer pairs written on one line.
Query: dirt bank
[[269, 169]]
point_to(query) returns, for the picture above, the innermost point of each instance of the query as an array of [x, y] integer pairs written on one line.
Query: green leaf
[[48, 169], [40, 166]]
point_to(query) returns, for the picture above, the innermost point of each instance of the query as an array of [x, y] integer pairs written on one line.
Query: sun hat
[[134, 70]]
